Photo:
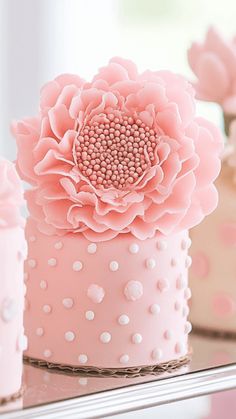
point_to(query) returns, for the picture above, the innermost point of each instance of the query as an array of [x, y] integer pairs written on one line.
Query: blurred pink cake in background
[[120, 169], [12, 254], [214, 64], [213, 251]]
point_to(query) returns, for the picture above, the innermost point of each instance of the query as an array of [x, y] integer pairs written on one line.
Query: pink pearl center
[[115, 153]]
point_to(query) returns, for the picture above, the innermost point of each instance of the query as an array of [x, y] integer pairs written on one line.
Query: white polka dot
[[187, 293], [134, 248], [137, 338], [32, 239], [187, 327], [188, 262], [123, 319], [105, 337], [24, 290], [189, 242], [177, 306], [89, 315], [186, 311], [68, 302], [168, 334], [181, 283], [82, 358], [133, 290], [114, 266], [77, 266], [32, 263], [47, 308], [150, 263], [92, 248], [39, 331], [162, 284], [173, 262], [8, 310], [161, 245], [52, 262], [156, 354], [43, 285], [184, 244], [58, 245], [83, 381], [95, 293], [179, 348], [47, 353], [22, 343], [124, 359], [69, 336], [155, 309]]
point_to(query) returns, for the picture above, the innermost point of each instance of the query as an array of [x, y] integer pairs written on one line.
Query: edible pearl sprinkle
[[32, 263], [134, 248], [58, 245], [92, 248], [52, 262], [114, 266], [116, 152], [67, 302], [77, 266], [123, 319], [161, 245], [47, 308], [156, 354], [47, 353], [137, 338], [69, 336], [89, 315], [39, 331], [43, 285], [82, 358], [150, 263], [155, 309], [124, 359], [105, 337]]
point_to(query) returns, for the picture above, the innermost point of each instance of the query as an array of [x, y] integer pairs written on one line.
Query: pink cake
[[13, 254], [214, 64], [213, 272], [121, 168]]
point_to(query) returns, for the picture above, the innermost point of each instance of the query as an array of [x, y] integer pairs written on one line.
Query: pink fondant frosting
[[122, 153], [214, 64], [11, 195]]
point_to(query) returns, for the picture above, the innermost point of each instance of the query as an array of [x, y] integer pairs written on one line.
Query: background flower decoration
[[122, 153], [11, 195], [214, 64]]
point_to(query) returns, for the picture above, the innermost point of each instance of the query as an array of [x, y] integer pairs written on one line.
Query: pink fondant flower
[[11, 195], [214, 64], [123, 153]]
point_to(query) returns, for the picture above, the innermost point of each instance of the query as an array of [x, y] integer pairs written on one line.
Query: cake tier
[[12, 340], [113, 304], [212, 275]]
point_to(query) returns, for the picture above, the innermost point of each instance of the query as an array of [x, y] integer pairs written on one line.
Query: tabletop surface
[[212, 368]]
